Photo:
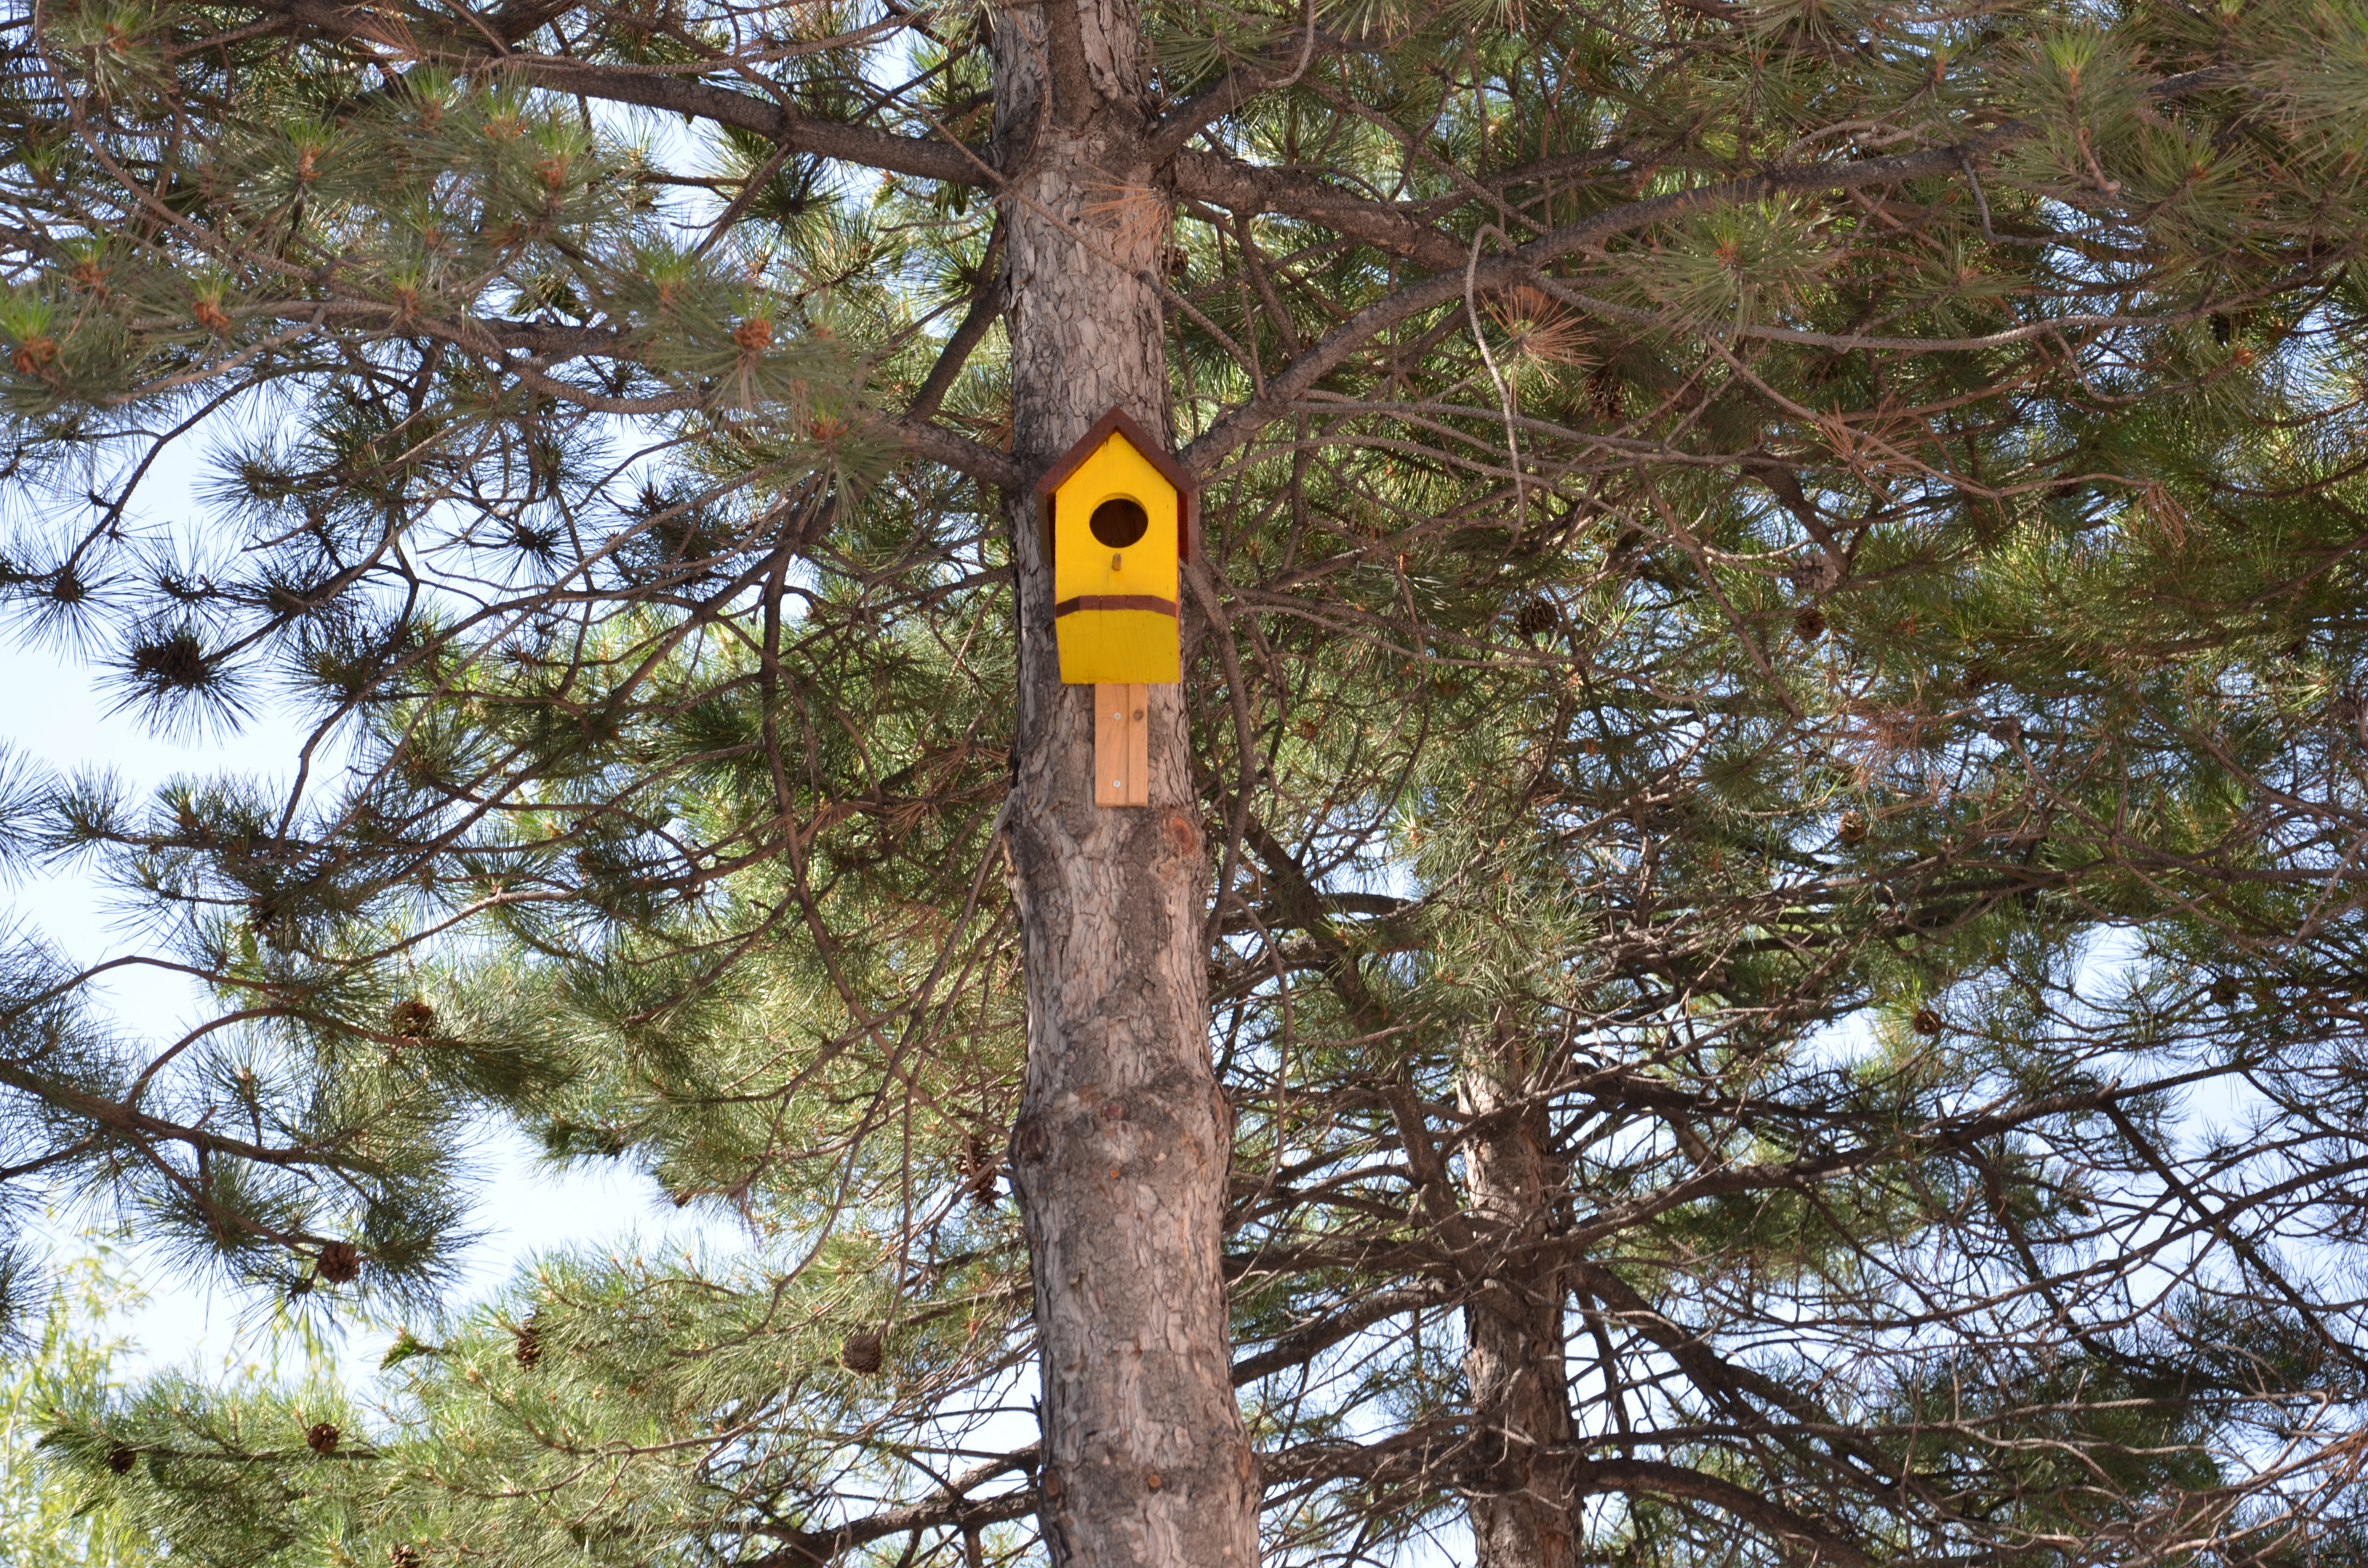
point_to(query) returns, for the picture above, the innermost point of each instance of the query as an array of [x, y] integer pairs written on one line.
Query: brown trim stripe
[[1116, 601]]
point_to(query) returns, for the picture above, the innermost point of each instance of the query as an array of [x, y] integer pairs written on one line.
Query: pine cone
[[338, 1264], [2226, 990], [1852, 828], [1538, 617], [529, 1350], [320, 1437], [1604, 393], [860, 1353], [121, 1459], [979, 1166], [403, 1554], [412, 1018], [1927, 1022], [1809, 623], [1815, 572]]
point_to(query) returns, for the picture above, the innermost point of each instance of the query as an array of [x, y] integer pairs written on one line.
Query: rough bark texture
[[1120, 1155], [1522, 1509]]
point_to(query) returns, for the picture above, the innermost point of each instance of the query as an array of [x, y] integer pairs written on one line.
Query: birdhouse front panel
[[1118, 534]]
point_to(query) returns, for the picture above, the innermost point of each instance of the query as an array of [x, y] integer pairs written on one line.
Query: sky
[[55, 713]]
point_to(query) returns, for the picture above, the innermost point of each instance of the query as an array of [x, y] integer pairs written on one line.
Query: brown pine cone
[[338, 1264], [320, 1437], [860, 1353]]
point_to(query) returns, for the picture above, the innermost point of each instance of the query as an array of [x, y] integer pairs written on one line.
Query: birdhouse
[[1117, 517], [1117, 513]]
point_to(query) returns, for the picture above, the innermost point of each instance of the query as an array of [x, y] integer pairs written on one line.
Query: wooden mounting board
[[1122, 746]]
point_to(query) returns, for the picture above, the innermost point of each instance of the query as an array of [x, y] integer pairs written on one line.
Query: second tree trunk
[[1522, 1513]]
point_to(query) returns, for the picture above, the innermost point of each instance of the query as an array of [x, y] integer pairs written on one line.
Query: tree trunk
[[1120, 1155], [1522, 1513]]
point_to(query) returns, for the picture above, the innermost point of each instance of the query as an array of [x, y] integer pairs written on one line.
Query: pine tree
[[1748, 552], [61, 1368]]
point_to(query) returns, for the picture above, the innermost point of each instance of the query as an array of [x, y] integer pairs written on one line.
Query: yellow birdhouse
[[1118, 516]]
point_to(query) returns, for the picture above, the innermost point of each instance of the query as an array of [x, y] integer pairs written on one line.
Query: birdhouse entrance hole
[[1119, 521]]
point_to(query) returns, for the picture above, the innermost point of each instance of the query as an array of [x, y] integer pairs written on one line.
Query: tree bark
[[1120, 1155], [1523, 1514]]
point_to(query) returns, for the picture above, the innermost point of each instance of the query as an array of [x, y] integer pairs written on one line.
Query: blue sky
[[56, 714]]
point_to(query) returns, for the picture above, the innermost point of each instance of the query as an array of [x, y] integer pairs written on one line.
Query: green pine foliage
[[62, 1368], [1838, 699]]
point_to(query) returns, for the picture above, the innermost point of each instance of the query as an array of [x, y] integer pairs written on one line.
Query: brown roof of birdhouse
[[1155, 452]]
